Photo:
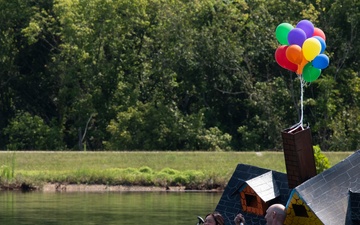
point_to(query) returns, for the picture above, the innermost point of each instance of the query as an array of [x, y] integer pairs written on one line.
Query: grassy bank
[[196, 170]]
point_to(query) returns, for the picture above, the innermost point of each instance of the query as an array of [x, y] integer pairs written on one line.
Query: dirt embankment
[[57, 187], [103, 188]]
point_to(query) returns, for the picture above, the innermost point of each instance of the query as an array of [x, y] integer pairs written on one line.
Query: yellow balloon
[[311, 48]]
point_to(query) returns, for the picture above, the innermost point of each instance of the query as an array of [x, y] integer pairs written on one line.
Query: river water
[[80, 208]]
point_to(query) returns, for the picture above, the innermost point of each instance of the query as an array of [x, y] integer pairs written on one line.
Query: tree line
[[171, 75]]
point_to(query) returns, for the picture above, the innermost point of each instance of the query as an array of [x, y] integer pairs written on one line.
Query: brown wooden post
[[299, 155]]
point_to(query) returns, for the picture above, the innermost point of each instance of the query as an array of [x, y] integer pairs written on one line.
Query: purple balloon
[[307, 27], [321, 61], [296, 37]]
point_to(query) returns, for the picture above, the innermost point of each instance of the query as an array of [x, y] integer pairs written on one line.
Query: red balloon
[[319, 32], [280, 57]]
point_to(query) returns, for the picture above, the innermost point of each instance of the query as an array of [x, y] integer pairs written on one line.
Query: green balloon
[[282, 32], [310, 73]]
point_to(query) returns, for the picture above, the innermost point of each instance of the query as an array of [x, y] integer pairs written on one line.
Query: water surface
[[80, 208]]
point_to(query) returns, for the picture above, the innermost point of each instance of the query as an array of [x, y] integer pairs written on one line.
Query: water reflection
[[162, 208]]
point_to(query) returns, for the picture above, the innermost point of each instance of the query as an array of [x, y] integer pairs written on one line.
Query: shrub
[[5, 173], [169, 171], [321, 161], [27, 132], [214, 139], [145, 169]]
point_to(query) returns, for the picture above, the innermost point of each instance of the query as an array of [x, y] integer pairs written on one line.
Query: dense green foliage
[[321, 161], [170, 75]]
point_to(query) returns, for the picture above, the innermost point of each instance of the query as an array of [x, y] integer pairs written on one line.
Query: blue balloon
[[321, 61], [322, 42]]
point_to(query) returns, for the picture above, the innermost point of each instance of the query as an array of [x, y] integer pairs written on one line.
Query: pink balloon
[[319, 32]]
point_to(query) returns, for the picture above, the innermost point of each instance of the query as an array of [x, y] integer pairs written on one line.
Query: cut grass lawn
[[103, 167]]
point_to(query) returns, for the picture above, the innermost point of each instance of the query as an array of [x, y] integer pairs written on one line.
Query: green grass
[[145, 168], [335, 157]]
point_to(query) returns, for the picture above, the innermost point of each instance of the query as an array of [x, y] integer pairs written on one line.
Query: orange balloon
[[294, 54], [301, 66]]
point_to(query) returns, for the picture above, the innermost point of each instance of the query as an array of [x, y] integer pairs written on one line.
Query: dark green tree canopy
[[171, 75]]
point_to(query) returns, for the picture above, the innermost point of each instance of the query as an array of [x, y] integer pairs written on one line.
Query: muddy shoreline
[[57, 187], [103, 188]]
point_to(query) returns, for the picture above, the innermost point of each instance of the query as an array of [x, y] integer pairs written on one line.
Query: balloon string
[[300, 123]]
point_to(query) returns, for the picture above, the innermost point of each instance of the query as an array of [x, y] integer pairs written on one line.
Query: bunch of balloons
[[302, 49]]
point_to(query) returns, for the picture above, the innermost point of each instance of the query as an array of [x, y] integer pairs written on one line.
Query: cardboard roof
[[264, 186], [229, 204], [327, 194], [355, 205]]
